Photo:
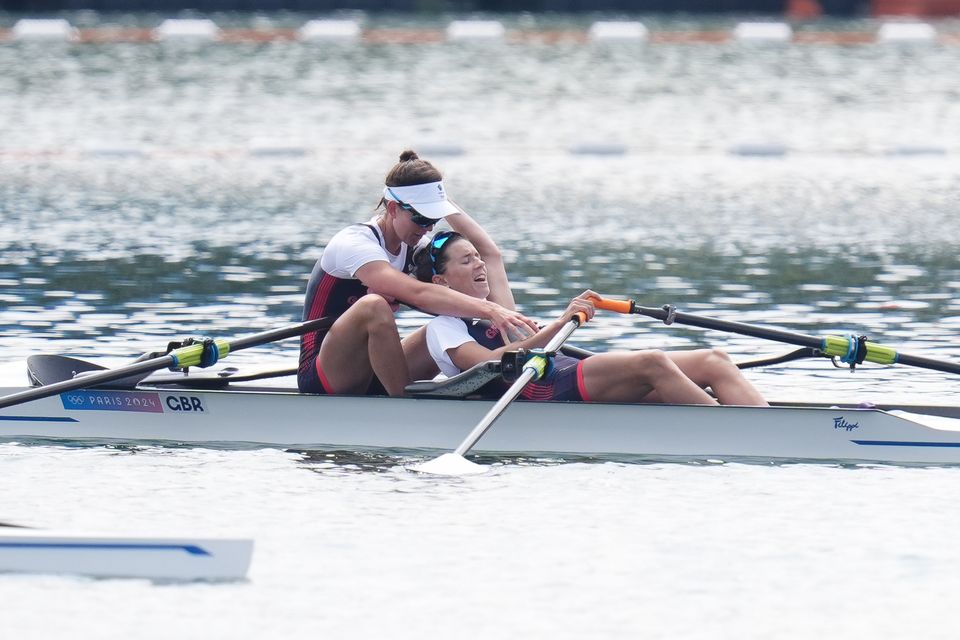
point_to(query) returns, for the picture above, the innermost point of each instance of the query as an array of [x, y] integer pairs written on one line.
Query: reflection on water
[[152, 248], [104, 256]]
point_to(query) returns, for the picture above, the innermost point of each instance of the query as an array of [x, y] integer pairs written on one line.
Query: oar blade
[[180, 358], [454, 464], [50, 369], [450, 464]]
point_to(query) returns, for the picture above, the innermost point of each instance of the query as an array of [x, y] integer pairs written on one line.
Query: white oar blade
[[450, 464]]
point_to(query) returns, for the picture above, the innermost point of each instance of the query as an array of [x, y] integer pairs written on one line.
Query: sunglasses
[[416, 217]]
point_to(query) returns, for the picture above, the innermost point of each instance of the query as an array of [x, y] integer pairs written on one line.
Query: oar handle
[[619, 306]]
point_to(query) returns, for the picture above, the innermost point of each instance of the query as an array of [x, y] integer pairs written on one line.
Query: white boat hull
[[162, 558], [288, 419]]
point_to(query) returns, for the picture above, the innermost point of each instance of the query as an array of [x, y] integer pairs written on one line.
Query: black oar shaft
[[281, 333], [799, 354], [779, 335], [927, 363], [155, 364], [875, 352], [671, 316]]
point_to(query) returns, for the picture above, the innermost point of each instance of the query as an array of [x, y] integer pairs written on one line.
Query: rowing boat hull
[[110, 556], [288, 419]]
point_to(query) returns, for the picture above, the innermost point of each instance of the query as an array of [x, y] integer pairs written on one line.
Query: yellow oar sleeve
[[539, 365], [191, 355], [843, 348]]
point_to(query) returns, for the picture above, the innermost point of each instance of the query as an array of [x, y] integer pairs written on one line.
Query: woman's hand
[[510, 323], [583, 303]]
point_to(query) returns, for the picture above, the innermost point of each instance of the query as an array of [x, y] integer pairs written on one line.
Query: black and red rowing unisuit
[[564, 379], [329, 295]]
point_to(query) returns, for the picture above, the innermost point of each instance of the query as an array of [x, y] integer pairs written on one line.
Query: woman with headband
[[362, 277], [458, 343]]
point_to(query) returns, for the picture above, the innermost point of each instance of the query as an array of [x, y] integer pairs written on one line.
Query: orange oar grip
[[581, 318], [620, 306]]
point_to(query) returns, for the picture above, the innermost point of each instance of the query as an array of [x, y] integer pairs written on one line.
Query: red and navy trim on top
[[564, 381], [328, 295]]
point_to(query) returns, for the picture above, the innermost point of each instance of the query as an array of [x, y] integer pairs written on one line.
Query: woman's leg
[[634, 376], [363, 342], [713, 368]]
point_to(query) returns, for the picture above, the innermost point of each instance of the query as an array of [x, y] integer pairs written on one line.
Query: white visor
[[428, 199]]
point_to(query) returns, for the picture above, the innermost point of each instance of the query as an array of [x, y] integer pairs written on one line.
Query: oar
[[576, 352], [188, 356], [49, 369], [849, 349], [450, 464], [767, 361], [764, 361]]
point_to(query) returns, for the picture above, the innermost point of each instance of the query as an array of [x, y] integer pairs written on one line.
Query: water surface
[[136, 208]]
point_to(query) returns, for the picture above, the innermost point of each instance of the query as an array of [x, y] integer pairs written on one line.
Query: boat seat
[[470, 381], [458, 386]]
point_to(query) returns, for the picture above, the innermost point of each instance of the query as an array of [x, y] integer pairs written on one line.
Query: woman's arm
[[382, 279], [490, 253], [471, 353]]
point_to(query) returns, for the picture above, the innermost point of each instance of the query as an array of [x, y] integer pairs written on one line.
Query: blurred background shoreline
[[793, 8]]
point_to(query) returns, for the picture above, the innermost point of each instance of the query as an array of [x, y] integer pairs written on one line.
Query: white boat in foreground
[[272, 417], [107, 556]]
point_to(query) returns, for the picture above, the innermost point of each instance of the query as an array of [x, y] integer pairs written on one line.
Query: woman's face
[[408, 231], [464, 271]]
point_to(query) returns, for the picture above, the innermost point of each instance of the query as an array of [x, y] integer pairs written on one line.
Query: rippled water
[[651, 97], [114, 255], [115, 258], [362, 548]]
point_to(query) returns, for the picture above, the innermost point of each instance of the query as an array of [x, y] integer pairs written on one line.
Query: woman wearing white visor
[[362, 277]]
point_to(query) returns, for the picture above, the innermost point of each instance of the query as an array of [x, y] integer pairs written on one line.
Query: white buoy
[[598, 149], [475, 30], [917, 150], [264, 147], [187, 29], [46, 29], [906, 32], [440, 149], [112, 149], [759, 149], [335, 30], [630, 31], [763, 32]]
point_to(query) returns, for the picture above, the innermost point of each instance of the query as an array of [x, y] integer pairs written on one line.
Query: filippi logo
[[841, 423]]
